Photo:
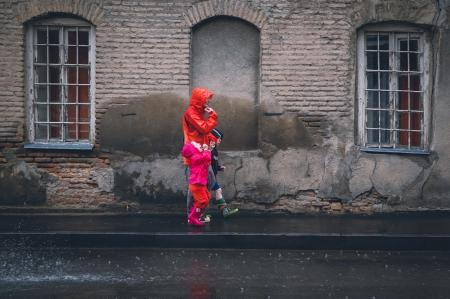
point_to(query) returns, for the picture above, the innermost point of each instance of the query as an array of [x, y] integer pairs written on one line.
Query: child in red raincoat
[[199, 158]]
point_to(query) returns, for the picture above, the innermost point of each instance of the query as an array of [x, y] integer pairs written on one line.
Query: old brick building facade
[[327, 105]]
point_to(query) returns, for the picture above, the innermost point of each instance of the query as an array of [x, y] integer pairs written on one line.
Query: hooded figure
[[195, 126]]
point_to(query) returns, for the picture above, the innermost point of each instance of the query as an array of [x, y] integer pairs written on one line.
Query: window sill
[[60, 146], [394, 151]]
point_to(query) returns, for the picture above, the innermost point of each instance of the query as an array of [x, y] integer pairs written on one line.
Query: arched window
[[394, 88], [60, 60], [225, 58]]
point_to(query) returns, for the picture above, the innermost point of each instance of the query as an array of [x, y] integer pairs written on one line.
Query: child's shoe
[[194, 217], [227, 212], [206, 218]]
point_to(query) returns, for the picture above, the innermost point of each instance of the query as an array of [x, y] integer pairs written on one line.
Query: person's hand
[[205, 147], [209, 109]]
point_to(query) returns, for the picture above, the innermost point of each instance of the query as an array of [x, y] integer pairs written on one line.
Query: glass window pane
[[414, 45], [83, 75], [83, 55], [41, 36], [53, 36], [416, 102], [384, 99], [55, 74], [83, 37], [71, 93], [71, 111], [41, 54], [55, 131], [41, 113], [403, 82], [373, 137], [40, 132], [55, 93], [403, 101], [385, 119], [402, 120], [83, 113], [83, 132], [373, 119], [55, 113], [72, 55], [41, 93], [384, 42], [53, 53], [372, 80], [384, 61], [414, 62], [403, 45], [384, 80], [416, 121], [372, 60], [41, 74], [72, 75], [403, 61], [71, 132], [416, 139], [385, 136], [372, 42], [372, 99], [83, 94], [72, 37]]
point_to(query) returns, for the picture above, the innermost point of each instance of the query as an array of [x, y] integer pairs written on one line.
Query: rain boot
[[224, 209], [194, 217]]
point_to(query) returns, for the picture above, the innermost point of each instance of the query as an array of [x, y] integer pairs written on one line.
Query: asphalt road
[[218, 273]]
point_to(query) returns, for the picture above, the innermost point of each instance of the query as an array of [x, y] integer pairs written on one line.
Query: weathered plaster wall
[[305, 159]]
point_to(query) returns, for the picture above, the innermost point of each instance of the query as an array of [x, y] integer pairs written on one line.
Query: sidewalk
[[399, 231]]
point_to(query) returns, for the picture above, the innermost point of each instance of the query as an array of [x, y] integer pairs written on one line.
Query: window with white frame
[[393, 88], [60, 72]]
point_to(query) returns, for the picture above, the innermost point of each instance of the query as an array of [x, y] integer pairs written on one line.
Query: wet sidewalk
[[398, 231]]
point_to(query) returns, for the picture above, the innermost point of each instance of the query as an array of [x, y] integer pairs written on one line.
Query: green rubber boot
[[224, 209]]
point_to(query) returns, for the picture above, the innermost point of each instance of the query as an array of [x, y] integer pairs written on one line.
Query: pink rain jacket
[[198, 164]]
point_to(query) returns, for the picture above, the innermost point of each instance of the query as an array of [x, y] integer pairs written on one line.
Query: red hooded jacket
[[195, 126]]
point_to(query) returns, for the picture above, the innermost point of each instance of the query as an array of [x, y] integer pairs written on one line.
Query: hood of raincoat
[[199, 97]]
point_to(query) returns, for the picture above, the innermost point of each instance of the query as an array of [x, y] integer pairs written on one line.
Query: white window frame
[[426, 60], [30, 90]]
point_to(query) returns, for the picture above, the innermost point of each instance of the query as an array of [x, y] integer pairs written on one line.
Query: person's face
[[207, 102], [212, 144], [219, 140]]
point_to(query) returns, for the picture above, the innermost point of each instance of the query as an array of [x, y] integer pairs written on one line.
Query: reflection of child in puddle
[[199, 160]]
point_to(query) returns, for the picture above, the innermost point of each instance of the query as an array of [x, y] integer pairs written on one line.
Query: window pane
[[403, 61], [384, 42], [55, 113], [403, 45], [372, 119], [83, 132], [384, 99], [385, 117], [71, 132], [416, 102], [41, 74], [372, 42], [71, 93], [372, 80], [55, 74], [402, 138], [40, 132], [403, 121], [372, 99], [71, 113], [53, 36], [416, 121], [414, 62], [83, 37], [41, 93], [83, 75], [415, 82], [53, 53], [72, 75], [55, 131], [384, 80], [83, 55], [372, 60], [41, 113], [384, 61], [72, 55], [414, 45], [385, 136], [373, 137], [72, 37], [403, 82], [41, 54], [416, 139], [83, 94], [403, 101], [42, 36], [83, 113], [55, 93]]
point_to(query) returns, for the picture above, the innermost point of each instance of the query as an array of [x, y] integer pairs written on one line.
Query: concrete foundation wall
[[303, 156]]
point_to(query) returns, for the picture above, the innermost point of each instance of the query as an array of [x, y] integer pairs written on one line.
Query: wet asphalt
[[221, 273]]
